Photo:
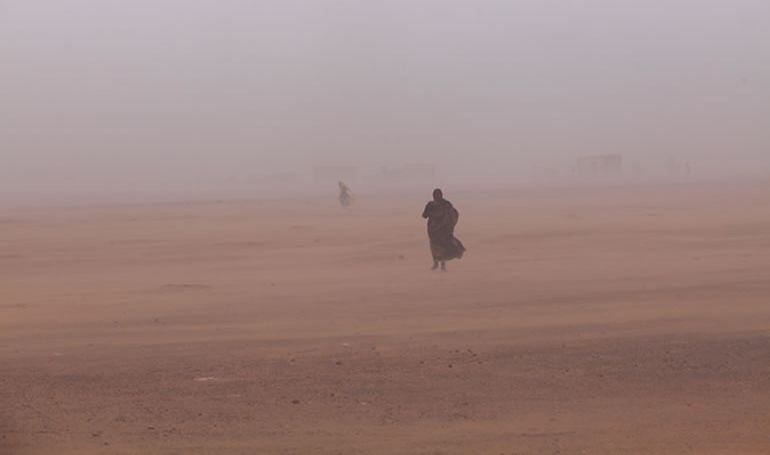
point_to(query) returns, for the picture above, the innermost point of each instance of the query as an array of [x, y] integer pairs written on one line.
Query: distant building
[[600, 165], [278, 177], [334, 174], [414, 171]]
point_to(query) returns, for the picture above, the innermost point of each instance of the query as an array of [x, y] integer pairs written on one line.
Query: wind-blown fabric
[[442, 219]]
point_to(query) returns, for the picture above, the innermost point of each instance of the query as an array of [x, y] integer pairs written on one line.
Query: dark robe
[[442, 219], [346, 199]]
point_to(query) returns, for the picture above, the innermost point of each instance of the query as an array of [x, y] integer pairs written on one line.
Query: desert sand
[[593, 320]]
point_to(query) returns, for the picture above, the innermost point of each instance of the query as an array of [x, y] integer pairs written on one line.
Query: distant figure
[[442, 218], [346, 195]]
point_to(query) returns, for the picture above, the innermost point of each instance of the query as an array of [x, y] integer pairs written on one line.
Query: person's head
[[438, 195]]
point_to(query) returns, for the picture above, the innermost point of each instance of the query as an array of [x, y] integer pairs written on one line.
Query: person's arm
[[426, 212], [454, 216]]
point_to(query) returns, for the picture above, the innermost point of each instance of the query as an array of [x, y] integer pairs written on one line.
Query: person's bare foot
[[435, 265], [443, 266]]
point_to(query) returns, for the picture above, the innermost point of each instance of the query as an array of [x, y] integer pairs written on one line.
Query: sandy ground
[[596, 321]]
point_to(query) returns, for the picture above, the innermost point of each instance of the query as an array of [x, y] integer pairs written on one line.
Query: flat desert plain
[[601, 320]]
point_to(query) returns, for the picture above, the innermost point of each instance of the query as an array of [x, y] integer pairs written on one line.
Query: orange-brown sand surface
[[612, 320]]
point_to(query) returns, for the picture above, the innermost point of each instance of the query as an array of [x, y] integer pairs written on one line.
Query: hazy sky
[[109, 89]]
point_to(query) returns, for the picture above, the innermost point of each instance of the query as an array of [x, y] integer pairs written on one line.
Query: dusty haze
[[177, 274], [156, 98]]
